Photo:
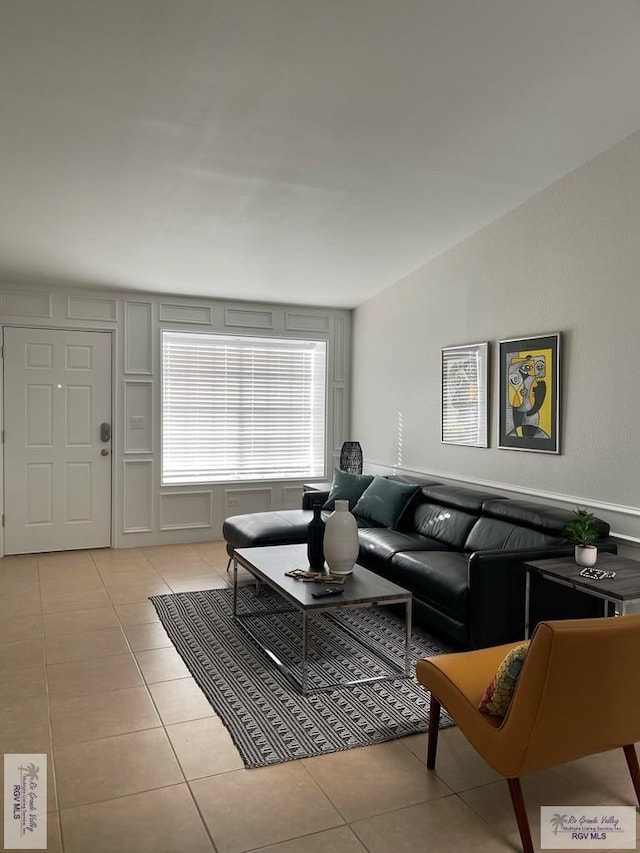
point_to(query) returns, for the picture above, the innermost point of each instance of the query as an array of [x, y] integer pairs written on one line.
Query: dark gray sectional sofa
[[460, 552]]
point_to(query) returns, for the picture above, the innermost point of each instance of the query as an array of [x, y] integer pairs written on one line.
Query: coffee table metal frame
[[300, 600]]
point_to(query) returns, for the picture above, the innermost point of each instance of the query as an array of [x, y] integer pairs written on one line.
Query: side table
[[616, 593]]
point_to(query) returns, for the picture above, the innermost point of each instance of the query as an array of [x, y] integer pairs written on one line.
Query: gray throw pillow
[[346, 487], [384, 501]]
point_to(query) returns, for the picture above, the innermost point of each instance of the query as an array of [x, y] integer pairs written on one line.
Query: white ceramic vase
[[341, 540], [586, 555]]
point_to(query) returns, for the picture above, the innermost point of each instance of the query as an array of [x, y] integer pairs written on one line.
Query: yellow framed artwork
[[529, 416]]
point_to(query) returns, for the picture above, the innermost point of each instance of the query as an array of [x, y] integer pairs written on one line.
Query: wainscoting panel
[[195, 314], [240, 501], [138, 416], [298, 322], [245, 318], [340, 350], [138, 336], [185, 510], [19, 303], [340, 425], [138, 496], [292, 497], [82, 308]]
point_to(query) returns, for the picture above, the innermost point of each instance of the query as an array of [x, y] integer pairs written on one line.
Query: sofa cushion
[[547, 519], [444, 524], [469, 500], [346, 487], [282, 527], [383, 501], [441, 578], [491, 534], [379, 544]]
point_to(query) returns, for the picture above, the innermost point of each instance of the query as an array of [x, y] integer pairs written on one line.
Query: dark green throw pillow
[[346, 487], [384, 501]]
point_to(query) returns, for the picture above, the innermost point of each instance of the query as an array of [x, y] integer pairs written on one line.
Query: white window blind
[[240, 408]]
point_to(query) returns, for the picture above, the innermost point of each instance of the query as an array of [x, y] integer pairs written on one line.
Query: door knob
[[104, 452]]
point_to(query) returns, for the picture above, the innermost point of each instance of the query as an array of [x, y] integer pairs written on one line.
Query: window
[[240, 408]]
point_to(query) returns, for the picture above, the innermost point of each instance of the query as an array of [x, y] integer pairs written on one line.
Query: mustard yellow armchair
[[576, 671]]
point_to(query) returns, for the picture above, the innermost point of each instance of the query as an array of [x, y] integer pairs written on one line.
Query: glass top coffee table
[[361, 589]]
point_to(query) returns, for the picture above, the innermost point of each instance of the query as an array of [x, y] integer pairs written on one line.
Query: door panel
[[57, 393]]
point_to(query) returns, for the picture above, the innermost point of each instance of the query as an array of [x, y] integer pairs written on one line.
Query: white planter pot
[[341, 540], [586, 555]]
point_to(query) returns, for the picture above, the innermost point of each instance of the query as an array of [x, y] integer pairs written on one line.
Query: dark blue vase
[[315, 539]]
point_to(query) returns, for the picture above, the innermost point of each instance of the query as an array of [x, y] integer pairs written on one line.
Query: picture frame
[[529, 394], [465, 395]]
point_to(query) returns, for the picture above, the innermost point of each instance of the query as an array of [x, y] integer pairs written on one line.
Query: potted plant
[[583, 533]]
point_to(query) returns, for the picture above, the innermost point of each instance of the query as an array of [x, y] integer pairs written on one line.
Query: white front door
[[57, 453]]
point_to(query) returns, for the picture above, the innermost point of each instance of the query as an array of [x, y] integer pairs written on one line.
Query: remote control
[[328, 592]]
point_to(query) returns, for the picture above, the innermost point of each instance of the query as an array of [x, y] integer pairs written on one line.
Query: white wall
[[567, 260], [145, 512]]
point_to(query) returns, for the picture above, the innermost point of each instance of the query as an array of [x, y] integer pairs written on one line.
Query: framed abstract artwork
[[465, 374], [529, 414]]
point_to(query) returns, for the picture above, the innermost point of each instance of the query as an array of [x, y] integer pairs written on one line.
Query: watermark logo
[[25, 802], [588, 827]]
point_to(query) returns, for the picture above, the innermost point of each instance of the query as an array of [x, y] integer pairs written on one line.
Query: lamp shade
[[351, 457]]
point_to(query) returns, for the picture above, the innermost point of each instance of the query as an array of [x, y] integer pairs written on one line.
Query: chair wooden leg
[[517, 800], [434, 728], [634, 769]]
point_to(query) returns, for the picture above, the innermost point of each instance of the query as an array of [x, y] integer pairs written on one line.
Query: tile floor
[[139, 763]]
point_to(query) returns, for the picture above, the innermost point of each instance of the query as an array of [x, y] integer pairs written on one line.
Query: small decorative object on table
[[315, 540], [583, 533], [351, 457], [341, 543]]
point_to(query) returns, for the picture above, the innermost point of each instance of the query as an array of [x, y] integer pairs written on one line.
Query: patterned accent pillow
[[497, 697]]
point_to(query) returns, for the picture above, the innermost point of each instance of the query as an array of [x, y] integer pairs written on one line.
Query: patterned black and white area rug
[[268, 719]]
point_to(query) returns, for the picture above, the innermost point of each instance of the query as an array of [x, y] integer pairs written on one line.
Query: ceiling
[[305, 151]]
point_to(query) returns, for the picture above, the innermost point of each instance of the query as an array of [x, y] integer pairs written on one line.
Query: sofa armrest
[[497, 591], [311, 498]]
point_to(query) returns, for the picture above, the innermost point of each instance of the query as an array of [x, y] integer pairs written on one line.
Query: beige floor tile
[[22, 571], [65, 558], [22, 686], [139, 613], [204, 748], [193, 584], [127, 574], [161, 665], [101, 715], [369, 781], [150, 635], [21, 654], [161, 821], [64, 601], [338, 840], [70, 580], [88, 644], [21, 625], [190, 568], [97, 770], [246, 809], [96, 675], [180, 700], [596, 780], [27, 601], [20, 561], [79, 621], [25, 728], [445, 825], [116, 555], [137, 592], [458, 765]]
